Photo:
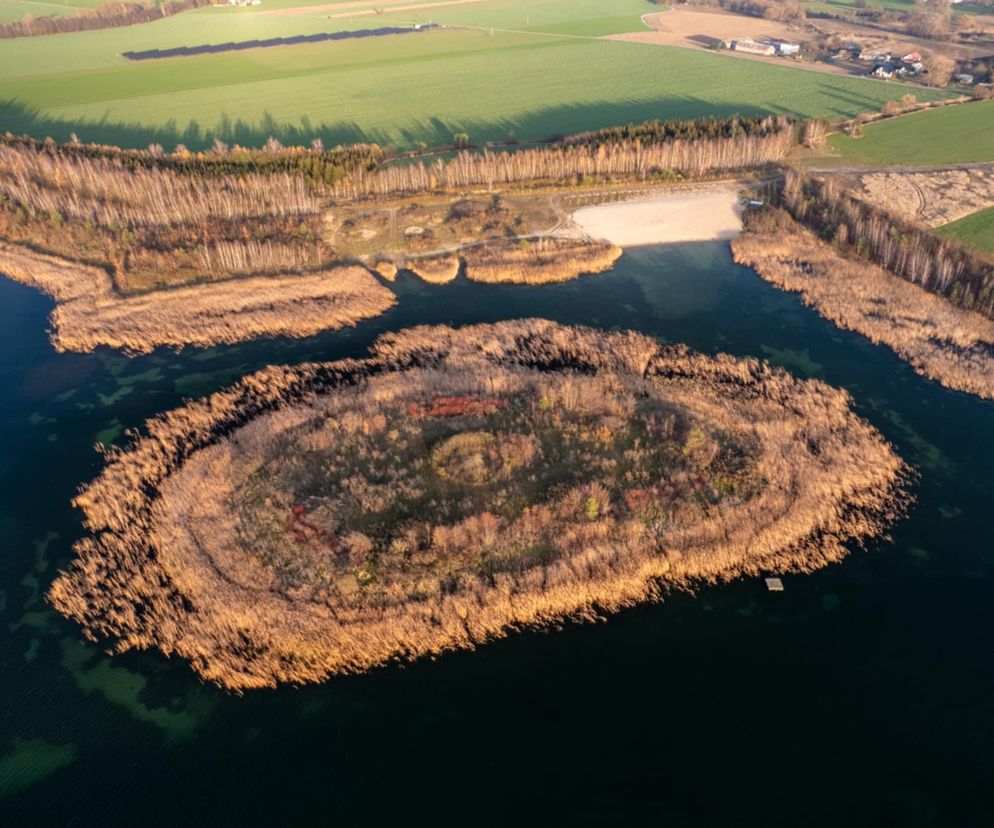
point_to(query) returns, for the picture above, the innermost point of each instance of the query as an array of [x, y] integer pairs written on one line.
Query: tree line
[[942, 266], [314, 163], [576, 162], [697, 129]]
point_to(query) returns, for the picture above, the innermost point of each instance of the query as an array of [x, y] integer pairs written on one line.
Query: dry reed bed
[[158, 567], [538, 261], [435, 270], [908, 250], [535, 261], [89, 313], [941, 341]]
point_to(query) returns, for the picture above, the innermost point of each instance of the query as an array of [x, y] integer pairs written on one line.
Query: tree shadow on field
[[537, 124]]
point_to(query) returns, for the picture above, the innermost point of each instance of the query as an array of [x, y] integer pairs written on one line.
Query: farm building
[[751, 47], [787, 49]]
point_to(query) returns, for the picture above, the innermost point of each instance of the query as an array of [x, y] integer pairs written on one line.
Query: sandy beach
[[701, 215]]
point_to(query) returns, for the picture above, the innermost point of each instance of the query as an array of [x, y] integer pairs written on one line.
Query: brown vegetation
[[787, 11], [538, 261], [388, 270], [89, 313], [941, 266], [228, 536], [152, 225], [152, 220], [106, 191], [436, 270], [929, 198], [948, 344]]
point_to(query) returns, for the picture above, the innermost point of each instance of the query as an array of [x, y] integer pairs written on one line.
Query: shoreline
[[90, 312], [701, 214], [951, 345]]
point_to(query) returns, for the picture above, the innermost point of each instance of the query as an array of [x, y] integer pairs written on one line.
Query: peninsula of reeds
[[454, 486], [940, 338], [90, 313]]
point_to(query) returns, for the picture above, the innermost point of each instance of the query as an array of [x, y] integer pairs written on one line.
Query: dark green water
[[860, 696]]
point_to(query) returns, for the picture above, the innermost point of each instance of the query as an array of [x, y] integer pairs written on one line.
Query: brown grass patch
[[435, 270], [929, 198], [388, 270], [538, 261]]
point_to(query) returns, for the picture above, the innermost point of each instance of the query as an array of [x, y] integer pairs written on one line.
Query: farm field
[[975, 230], [11, 10], [397, 90], [847, 6], [952, 135]]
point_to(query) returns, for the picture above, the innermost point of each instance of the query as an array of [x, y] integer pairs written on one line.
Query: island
[[456, 485]]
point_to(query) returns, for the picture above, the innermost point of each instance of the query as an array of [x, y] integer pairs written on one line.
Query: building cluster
[[888, 66], [768, 48]]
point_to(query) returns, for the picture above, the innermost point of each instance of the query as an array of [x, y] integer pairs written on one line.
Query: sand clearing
[[705, 28], [700, 215]]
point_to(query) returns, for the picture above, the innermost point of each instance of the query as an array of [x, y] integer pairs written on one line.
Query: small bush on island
[[458, 484]]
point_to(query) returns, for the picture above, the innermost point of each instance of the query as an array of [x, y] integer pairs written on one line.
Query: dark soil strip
[[214, 48]]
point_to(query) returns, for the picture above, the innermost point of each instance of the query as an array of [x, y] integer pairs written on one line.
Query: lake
[[862, 695]]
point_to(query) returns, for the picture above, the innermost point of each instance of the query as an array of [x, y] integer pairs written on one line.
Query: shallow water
[[861, 696]]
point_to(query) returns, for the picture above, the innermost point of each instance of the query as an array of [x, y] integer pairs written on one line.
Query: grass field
[[847, 6], [529, 68], [975, 230], [955, 134], [11, 10]]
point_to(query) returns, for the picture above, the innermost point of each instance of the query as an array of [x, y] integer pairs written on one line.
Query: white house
[[751, 47]]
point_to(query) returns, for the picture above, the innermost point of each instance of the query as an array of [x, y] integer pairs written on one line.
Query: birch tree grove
[[942, 266], [104, 190], [633, 159]]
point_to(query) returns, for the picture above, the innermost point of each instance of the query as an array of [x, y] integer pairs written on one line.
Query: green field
[[529, 68], [956, 134], [975, 230], [16, 9], [847, 6]]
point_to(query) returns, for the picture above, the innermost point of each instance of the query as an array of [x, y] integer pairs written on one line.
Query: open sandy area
[[700, 215]]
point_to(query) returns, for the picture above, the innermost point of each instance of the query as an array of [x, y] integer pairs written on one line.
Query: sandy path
[[701, 215]]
